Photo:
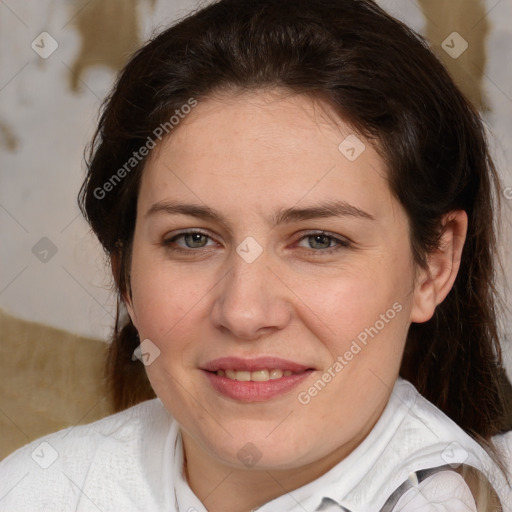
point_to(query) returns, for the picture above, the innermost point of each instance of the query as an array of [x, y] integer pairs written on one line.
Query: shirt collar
[[185, 499]]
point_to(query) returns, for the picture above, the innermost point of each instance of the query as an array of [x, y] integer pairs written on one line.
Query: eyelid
[[329, 234], [188, 231]]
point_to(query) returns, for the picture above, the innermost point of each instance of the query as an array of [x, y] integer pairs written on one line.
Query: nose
[[251, 300]]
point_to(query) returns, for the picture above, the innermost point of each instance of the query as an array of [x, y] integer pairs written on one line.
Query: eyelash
[[340, 242]]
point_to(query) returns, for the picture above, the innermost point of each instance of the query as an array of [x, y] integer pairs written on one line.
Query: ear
[[433, 283], [126, 295]]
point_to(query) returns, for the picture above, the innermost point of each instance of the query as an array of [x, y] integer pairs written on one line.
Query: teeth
[[256, 376], [276, 374], [260, 375]]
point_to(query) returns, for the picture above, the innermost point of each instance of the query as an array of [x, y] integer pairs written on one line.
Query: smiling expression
[[260, 253]]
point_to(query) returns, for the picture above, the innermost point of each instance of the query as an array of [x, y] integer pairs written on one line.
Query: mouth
[[254, 380]]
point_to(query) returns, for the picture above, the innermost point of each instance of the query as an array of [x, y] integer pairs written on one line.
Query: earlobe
[[435, 282], [126, 293], [131, 312]]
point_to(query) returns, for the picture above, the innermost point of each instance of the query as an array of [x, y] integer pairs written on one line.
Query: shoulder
[[424, 440], [121, 429], [445, 491], [503, 443], [60, 466], [422, 419]]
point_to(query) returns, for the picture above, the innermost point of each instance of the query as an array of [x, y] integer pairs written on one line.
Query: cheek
[[362, 317], [167, 305], [164, 297], [354, 300]]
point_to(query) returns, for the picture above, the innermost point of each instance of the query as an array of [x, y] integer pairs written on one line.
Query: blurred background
[[58, 60]]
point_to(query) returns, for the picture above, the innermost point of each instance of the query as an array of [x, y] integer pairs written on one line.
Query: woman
[[297, 204]]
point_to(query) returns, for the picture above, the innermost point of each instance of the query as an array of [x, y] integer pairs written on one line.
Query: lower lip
[[252, 391]]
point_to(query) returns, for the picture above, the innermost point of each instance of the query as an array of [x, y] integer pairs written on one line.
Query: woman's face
[[277, 324]]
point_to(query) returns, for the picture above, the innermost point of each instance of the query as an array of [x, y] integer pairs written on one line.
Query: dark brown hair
[[380, 77]]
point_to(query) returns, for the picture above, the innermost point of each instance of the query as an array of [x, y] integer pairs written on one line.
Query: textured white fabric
[[442, 492], [132, 461]]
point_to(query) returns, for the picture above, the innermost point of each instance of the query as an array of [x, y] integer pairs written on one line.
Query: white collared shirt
[[132, 461]]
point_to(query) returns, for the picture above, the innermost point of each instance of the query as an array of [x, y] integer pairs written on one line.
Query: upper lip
[[258, 363]]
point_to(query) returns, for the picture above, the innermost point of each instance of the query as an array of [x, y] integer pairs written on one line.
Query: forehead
[[259, 147], [260, 122]]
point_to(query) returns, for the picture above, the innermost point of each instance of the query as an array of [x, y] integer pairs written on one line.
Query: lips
[[254, 380], [252, 365]]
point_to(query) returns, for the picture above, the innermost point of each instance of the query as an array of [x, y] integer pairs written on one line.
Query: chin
[[260, 453]]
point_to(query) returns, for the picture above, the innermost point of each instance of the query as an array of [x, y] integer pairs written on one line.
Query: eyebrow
[[283, 216]]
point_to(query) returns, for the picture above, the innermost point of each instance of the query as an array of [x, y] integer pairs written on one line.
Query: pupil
[[320, 239], [194, 239]]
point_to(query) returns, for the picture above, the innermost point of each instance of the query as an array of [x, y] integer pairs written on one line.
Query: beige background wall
[[52, 271]]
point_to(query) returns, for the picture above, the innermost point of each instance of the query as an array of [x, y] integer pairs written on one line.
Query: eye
[[322, 242], [191, 240], [316, 242]]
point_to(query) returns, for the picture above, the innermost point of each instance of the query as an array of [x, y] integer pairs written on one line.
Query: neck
[[224, 488]]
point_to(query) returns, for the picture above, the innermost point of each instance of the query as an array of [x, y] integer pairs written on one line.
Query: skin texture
[[249, 156]]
